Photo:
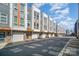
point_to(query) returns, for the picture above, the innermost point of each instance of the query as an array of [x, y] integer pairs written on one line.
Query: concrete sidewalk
[[72, 49]]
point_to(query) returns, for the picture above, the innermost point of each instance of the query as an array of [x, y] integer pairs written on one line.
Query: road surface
[[47, 47]]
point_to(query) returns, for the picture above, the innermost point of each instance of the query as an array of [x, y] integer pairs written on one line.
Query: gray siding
[[5, 9]]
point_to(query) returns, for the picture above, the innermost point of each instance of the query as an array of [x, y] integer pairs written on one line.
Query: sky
[[65, 14]]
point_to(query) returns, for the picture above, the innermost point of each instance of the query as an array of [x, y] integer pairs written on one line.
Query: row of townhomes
[[18, 22]]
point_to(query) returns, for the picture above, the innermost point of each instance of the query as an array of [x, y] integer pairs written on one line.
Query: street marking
[[36, 54], [37, 44], [16, 50], [50, 47], [44, 50], [54, 48], [52, 53], [29, 46], [62, 51]]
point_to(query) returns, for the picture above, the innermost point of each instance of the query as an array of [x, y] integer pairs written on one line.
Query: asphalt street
[[48, 47]]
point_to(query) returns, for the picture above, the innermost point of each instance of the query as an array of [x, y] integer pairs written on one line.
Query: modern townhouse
[[34, 15], [18, 21], [44, 25], [13, 22], [39, 24], [4, 21], [52, 27]]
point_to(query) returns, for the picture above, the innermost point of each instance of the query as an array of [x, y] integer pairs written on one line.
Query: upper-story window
[[45, 23], [45, 19], [22, 22], [22, 14], [3, 18], [37, 26], [45, 27], [15, 6], [22, 7], [15, 20], [34, 25], [36, 15]]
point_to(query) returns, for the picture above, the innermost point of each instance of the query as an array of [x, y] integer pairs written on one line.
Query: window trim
[[4, 17]]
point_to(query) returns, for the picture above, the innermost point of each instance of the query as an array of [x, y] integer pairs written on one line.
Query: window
[[45, 27], [15, 10], [15, 13], [37, 26], [15, 20], [22, 22], [22, 15], [34, 25], [15, 7], [3, 18], [36, 15], [22, 7], [45, 19]]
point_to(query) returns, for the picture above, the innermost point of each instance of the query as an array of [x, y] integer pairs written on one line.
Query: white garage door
[[18, 37], [44, 35], [49, 35], [34, 36]]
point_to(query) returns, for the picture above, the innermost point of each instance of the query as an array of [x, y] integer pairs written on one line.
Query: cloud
[[68, 23], [57, 6], [63, 12], [38, 5], [59, 17]]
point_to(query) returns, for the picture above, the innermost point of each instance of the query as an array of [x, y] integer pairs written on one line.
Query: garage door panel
[[34, 36], [18, 37]]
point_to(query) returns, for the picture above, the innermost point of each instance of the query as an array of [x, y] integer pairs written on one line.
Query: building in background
[[67, 32], [76, 29], [61, 31]]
